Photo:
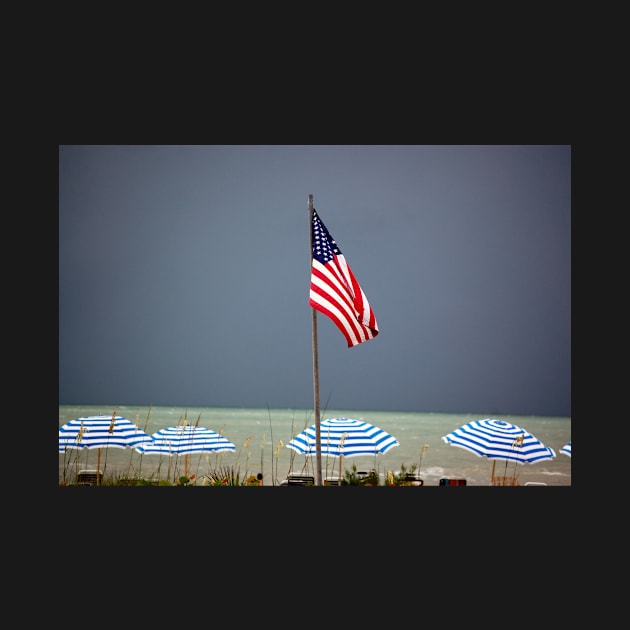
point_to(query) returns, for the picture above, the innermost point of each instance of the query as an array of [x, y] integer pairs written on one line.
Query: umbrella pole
[[98, 468], [494, 463], [146, 424], [77, 464]]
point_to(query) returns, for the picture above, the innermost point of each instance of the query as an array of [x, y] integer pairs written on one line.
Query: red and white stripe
[[336, 293]]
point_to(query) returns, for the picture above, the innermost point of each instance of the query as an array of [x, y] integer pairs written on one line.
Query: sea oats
[[146, 423], [80, 434], [113, 422], [341, 441]]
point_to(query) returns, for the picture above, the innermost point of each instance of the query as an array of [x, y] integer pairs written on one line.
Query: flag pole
[[318, 438]]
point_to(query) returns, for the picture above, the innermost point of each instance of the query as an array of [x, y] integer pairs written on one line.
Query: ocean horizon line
[[492, 414]]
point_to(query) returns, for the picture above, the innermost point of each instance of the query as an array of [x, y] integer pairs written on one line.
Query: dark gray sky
[[184, 276]]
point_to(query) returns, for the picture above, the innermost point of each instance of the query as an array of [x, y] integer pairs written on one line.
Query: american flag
[[335, 291]]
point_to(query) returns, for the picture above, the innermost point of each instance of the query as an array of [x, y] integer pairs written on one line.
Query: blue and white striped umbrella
[[497, 439], [101, 432], [343, 437], [185, 440], [566, 449]]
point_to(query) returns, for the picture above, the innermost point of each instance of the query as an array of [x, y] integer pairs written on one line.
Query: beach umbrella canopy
[[566, 449], [101, 432], [499, 440], [343, 437], [185, 440]]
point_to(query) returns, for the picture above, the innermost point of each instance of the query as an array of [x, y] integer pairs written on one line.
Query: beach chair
[[89, 477], [296, 479], [451, 481]]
